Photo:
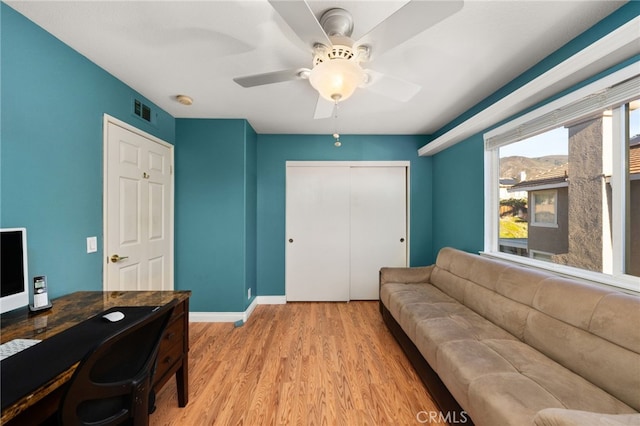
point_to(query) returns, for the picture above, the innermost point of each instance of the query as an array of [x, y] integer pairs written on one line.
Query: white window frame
[[534, 219], [533, 253], [592, 97]]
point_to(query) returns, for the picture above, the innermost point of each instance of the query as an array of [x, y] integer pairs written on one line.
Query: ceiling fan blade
[[407, 22], [271, 77], [299, 16], [391, 87], [324, 108]]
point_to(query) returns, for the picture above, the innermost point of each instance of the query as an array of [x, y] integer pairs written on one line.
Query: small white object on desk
[[114, 316]]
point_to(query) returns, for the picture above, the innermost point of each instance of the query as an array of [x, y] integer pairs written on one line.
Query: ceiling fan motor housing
[[337, 22], [337, 51]]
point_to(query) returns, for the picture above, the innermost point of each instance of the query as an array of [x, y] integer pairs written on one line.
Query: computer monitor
[[14, 272]]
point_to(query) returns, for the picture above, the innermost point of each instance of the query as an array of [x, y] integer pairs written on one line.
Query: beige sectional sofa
[[516, 346]]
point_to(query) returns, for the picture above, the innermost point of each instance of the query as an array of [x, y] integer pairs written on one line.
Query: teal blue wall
[[53, 101], [275, 150], [458, 194], [458, 172], [251, 211], [214, 191]]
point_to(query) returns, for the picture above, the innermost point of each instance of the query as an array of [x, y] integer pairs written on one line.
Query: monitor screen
[[13, 269]]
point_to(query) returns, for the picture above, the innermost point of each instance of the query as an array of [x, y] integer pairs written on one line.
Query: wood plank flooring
[[298, 364]]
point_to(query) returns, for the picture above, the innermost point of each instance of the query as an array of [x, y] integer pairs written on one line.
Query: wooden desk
[[74, 308]]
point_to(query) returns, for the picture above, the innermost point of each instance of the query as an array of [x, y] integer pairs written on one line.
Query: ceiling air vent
[[141, 110]]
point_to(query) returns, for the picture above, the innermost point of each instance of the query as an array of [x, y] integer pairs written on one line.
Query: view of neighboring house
[[548, 220], [570, 205]]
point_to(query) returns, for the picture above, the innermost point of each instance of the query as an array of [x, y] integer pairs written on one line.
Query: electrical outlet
[[249, 293]]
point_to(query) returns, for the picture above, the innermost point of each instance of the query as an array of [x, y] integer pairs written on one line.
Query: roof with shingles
[[634, 159], [559, 175], [554, 176]]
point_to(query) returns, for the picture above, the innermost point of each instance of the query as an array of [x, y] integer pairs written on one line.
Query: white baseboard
[[271, 300], [216, 316], [236, 316]]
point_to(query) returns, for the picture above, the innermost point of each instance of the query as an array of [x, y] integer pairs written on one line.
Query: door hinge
[[171, 169]]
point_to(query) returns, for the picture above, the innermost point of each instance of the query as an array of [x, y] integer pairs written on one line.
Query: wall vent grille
[[141, 110]]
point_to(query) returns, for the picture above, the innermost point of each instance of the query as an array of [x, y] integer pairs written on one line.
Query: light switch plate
[[92, 244]]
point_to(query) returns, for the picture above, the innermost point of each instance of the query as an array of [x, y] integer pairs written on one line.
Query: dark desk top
[[68, 311]]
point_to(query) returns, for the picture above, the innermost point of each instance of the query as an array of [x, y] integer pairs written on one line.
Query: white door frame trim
[[107, 119]]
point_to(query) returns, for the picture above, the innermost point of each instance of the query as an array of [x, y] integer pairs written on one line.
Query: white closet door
[[317, 254], [378, 226]]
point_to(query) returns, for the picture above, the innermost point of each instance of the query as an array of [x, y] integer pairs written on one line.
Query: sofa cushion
[[613, 368], [411, 314], [396, 295], [500, 292], [561, 417], [591, 331], [458, 323]]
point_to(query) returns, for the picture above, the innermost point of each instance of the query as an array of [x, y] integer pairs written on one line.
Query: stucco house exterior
[[570, 206]]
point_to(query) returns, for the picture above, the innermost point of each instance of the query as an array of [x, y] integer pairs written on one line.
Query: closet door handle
[[402, 240], [290, 240]]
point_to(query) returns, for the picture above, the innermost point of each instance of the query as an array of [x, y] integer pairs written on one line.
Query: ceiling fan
[[336, 69]]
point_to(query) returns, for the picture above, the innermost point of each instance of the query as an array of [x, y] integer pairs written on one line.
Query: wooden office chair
[[112, 384]]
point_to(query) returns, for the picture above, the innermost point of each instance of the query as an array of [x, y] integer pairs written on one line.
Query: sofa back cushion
[[590, 330], [501, 293]]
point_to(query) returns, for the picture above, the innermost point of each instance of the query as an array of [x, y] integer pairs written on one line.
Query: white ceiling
[[166, 48]]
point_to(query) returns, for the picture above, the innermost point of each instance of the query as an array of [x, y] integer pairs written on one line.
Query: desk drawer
[[177, 311], [171, 346], [167, 359]]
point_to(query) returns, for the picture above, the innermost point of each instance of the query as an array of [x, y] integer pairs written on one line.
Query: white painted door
[[343, 223], [317, 232], [138, 211], [378, 226]]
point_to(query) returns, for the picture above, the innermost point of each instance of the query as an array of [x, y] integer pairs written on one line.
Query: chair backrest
[[112, 383]]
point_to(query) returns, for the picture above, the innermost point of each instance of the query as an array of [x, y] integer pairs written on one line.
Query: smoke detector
[[184, 100]]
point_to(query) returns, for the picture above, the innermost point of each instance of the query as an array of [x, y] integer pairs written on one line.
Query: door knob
[[290, 240], [402, 240], [115, 258]]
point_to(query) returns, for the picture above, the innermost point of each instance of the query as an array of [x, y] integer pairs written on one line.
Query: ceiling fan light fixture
[[336, 79]]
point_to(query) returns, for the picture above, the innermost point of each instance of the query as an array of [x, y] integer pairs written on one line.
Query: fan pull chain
[[336, 134]]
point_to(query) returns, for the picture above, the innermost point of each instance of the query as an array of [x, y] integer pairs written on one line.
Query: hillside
[[510, 167]]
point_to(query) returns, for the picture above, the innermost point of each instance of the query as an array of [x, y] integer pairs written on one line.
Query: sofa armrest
[[421, 274], [564, 417]]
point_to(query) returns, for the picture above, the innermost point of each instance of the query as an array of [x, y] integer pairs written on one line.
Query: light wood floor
[[299, 364]]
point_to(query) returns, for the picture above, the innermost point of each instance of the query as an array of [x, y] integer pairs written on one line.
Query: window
[[543, 208], [573, 168]]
